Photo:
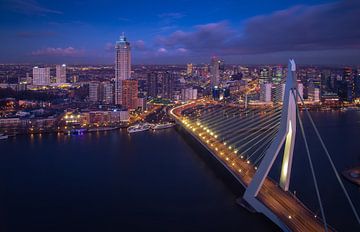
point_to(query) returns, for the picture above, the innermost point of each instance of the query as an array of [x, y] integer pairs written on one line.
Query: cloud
[[203, 38], [304, 28], [299, 28], [35, 34], [29, 7], [68, 52], [181, 50], [162, 50]]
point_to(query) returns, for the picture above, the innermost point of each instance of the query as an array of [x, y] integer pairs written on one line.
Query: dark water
[[159, 181], [111, 181], [341, 134]]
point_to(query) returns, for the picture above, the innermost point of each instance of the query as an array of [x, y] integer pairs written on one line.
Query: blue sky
[[176, 32]]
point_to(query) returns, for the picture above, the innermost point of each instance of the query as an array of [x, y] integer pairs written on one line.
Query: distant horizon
[[184, 64]]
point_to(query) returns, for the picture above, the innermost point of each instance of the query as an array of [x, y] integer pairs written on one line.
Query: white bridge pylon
[[286, 134]]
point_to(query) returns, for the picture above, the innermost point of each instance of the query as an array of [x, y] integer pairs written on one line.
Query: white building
[[265, 92], [188, 94], [41, 76], [122, 66], [61, 73]]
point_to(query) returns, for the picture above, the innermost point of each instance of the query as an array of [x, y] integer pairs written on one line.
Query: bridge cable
[[311, 164], [330, 160]]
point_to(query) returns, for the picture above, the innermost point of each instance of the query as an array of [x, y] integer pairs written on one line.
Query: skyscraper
[[265, 92], [167, 85], [214, 72], [94, 88], [122, 66], [106, 92], [41, 76], [130, 94], [264, 75], [101, 92], [61, 73], [189, 69], [277, 74], [152, 84]]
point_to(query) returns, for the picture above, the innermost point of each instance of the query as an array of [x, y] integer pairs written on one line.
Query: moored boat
[[139, 127], [3, 136], [163, 126]]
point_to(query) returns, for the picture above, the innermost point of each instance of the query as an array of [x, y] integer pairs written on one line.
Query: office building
[[214, 72], [41, 76], [167, 85], [61, 73], [130, 94], [265, 92], [264, 75], [122, 66], [300, 89], [107, 93], [189, 69], [188, 94], [277, 75], [94, 92], [314, 94], [152, 84]]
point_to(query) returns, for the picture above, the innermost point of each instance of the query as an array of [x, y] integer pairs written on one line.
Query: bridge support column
[[286, 134]]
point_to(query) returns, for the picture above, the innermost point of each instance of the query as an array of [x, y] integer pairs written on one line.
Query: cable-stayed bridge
[[246, 141]]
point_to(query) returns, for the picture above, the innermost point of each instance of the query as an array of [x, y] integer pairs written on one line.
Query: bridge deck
[[292, 212]]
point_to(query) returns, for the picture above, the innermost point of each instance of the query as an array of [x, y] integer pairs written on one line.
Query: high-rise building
[[357, 84], [188, 94], [189, 69], [167, 85], [277, 75], [265, 92], [41, 76], [264, 75], [61, 73], [94, 89], [28, 79], [152, 84], [101, 92], [348, 77], [107, 93], [130, 94], [122, 66], [222, 65], [314, 94], [278, 92], [300, 89], [214, 72]]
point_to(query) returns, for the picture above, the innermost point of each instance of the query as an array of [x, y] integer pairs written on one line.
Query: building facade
[[41, 76], [122, 66], [61, 73], [130, 94], [214, 72]]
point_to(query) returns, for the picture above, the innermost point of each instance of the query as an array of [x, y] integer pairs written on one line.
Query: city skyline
[[313, 32]]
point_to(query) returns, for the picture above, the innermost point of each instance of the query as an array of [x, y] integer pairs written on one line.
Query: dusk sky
[[182, 31]]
